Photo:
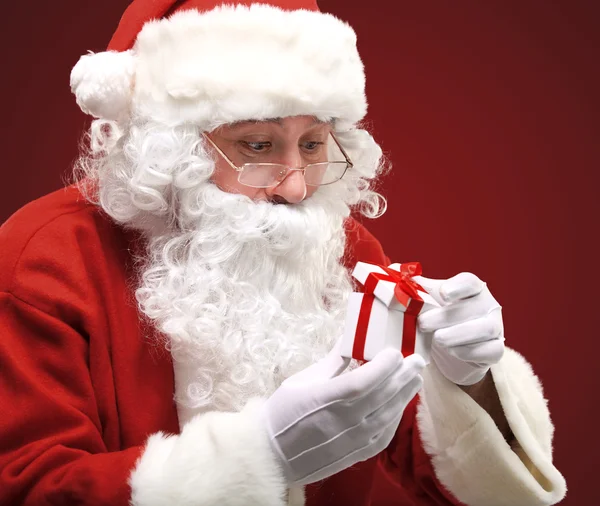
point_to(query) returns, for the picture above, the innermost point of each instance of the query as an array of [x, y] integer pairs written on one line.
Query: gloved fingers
[[470, 332], [333, 364], [366, 378], [344, 459], [459, 312], [379, 419], [332, 412], [322, 437], [360, 408], [352, 439], [330, 366], [432, 287], [381, 441], [411, 366], [480, 354], [455, 369], [359, 442], [461, 286]]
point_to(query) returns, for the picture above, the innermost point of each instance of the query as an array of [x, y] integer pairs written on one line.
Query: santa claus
[[169, 322]]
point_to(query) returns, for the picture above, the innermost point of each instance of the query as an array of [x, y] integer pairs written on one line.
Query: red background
[[489, 113]]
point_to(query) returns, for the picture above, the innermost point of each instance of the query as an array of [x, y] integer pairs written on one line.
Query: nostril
[[278, 199]]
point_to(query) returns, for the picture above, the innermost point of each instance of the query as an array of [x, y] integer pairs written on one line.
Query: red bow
[[406, 287]]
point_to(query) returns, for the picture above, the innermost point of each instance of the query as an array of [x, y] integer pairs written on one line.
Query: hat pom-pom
[[102, 84]]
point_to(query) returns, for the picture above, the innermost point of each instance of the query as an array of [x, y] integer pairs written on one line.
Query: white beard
[[247, 294]]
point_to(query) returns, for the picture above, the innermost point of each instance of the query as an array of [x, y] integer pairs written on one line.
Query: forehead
[[288, 123]]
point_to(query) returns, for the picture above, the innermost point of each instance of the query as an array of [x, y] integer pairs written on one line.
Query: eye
[[313, 145], [257, 147]]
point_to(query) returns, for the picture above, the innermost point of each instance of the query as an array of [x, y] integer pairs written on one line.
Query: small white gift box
[[386, 314]]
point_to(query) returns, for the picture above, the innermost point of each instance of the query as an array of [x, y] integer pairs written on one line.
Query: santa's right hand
[[320, 423]]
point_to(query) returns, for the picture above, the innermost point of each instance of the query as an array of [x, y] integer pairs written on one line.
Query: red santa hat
[[210, 63]]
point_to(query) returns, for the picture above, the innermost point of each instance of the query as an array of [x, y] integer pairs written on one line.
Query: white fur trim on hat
[[219, 458], [102, 84], [469, 454], [237, 63]]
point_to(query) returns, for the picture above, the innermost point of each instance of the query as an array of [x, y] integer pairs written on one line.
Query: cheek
[[224, 176], [227, 180], [310, 190]]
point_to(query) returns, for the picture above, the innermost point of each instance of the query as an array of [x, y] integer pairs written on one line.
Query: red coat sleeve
[[404, 474], [52, 450], [61, 440]]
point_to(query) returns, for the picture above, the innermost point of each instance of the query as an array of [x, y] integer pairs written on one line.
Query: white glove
[[320, 423], [468, 332]]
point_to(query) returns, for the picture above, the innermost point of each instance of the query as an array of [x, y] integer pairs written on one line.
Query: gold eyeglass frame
[[239, 170]]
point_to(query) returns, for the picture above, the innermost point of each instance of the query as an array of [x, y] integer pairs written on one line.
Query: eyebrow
[[279, 121]]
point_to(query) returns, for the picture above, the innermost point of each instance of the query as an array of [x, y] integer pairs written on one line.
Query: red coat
[[82, 388]]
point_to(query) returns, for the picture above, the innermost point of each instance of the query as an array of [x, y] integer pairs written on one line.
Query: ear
[[103, 82]]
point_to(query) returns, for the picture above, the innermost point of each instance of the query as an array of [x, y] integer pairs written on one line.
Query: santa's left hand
[[468, 333]]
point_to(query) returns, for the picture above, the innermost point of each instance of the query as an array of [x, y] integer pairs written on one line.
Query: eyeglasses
[[267, 175]]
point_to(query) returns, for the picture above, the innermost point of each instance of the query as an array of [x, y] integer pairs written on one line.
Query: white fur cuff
[[219, 459], [471, 457]]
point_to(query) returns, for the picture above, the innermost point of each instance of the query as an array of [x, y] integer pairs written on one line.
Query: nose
[[292, 189]]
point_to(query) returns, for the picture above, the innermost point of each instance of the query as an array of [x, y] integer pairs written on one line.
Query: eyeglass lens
[[262, 175]]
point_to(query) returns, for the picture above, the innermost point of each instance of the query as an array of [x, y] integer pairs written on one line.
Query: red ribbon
[[405, 292]]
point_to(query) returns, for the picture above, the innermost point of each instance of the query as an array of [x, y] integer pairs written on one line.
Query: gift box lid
[[384, 290]]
